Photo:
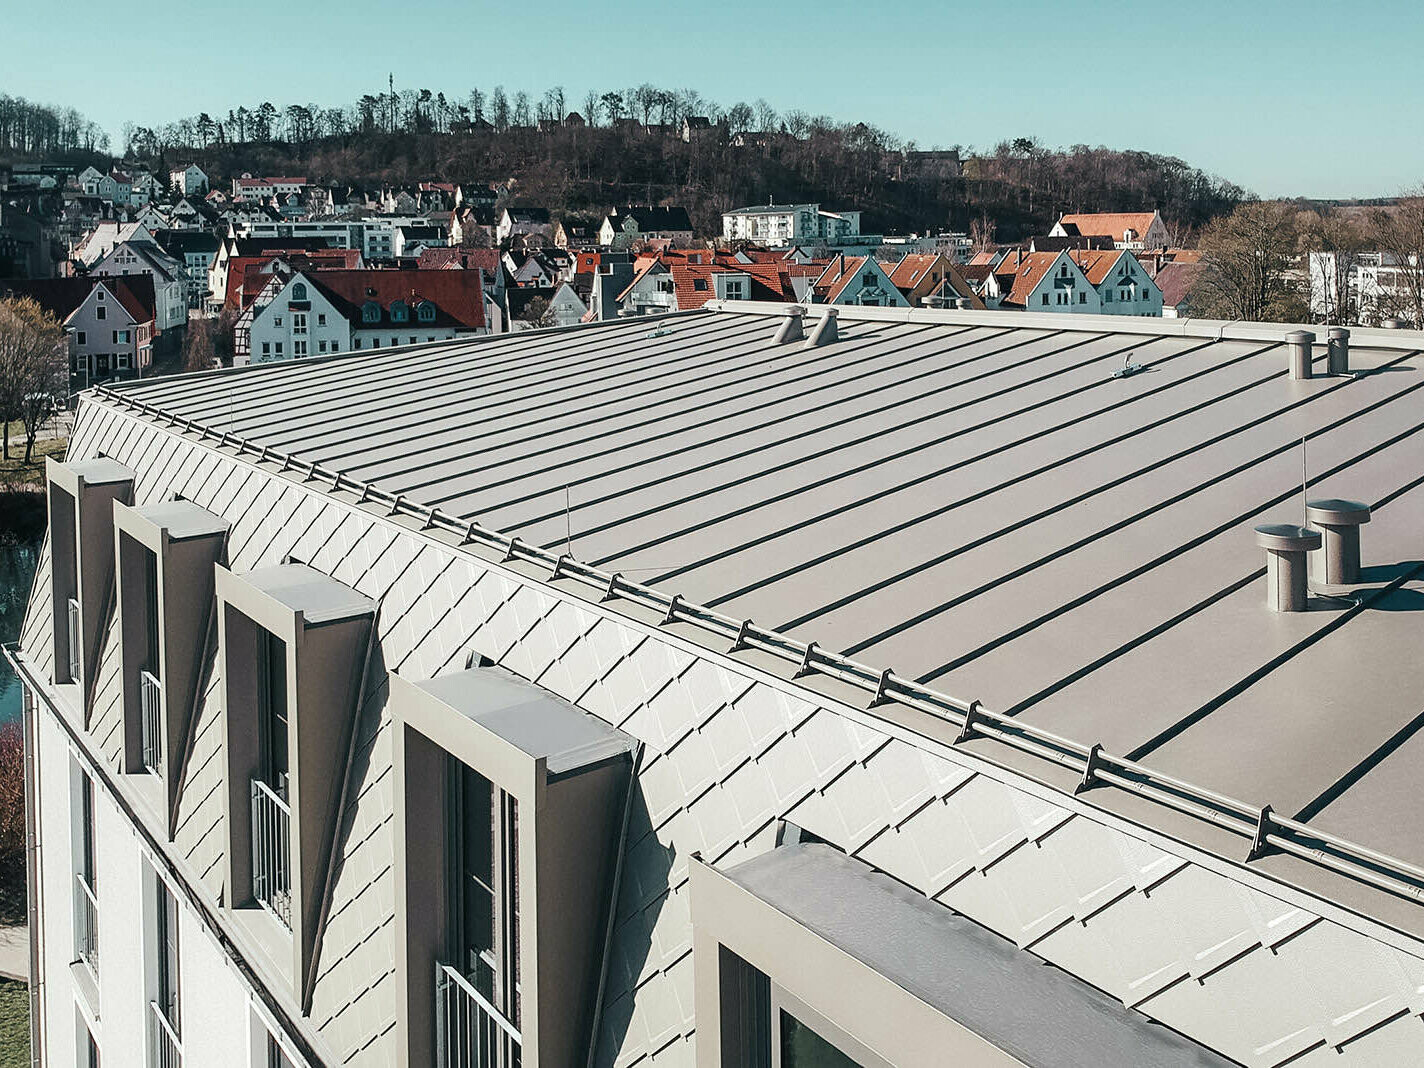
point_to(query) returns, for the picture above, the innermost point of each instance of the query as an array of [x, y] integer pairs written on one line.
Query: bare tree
[[1333, 241], [1399, 230], [199, 346], [1247, 266], [591, 105], [34, 358]]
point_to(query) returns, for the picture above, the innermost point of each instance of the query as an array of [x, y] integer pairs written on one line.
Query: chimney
[[790, 328], [1339, 523], [1299, 344], [1338, 349], [1286, 546], [825, 331]]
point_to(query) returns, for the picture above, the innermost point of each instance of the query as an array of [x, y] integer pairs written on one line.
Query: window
[[469, 811], [276, 320], [1107, 296], [279, 348], [1083, 298], [86, 883], [101, 313], [321, 319], [400, 312], [356, 342], [299, 292], [80, 337], [411, 339], [266, 348], [299, 348], [425, 312], [321, 346], [1045, 298], [370, 312], [121, 337], [299, 322], [165, 1031]]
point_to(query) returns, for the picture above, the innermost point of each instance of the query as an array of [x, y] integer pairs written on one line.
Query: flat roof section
[[1039, 1014]]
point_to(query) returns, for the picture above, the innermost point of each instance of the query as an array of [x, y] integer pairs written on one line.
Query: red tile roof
[[1175, 280], [1025, 270], [61, 297], [485, 259], [457, 295], [1109, 224]]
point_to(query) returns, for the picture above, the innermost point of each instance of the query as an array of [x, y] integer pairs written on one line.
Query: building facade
[[782, 225]]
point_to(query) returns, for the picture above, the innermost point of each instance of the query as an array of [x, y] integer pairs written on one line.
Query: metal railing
[[86, 923], [469, 1031], [164, 1048], [75, 644], [969, 720], [150, 696], [272, 852]]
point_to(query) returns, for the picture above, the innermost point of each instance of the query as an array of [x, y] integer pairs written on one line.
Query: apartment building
[[417, 712], [781, 225]]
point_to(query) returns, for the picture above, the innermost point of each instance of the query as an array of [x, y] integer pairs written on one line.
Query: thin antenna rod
[[568, 523]]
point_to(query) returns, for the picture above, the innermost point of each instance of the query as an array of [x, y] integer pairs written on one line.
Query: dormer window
[[400, 311], [425, 312], [293, 646], [370, 312], [81, 523], [164, 559]]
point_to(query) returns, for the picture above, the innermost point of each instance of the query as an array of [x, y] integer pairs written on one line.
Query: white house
[[527, 222], [1124, 287], [857, 280], [170, 278], [566, 306], [189, 180], [621, 230]]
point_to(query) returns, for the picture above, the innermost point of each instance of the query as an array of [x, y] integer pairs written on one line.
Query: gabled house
[[932, 278], [196, 250], [110, 322], [1132, 230], [1045, 282], [522, 222], [188, 180], [858, 280], [635, 224], [1123, 284], [315, 313], [170, 278]]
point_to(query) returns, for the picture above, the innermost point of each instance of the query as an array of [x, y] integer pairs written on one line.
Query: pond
[[18, 557]]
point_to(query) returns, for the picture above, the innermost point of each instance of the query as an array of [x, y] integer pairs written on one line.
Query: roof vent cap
[[790, 328], [1338, 350], [825, 332], [1286, 545], [1338, 522], [1299, 343]]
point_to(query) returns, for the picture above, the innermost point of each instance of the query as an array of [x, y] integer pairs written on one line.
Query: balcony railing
[[164, 1049], [75, 645], [86, 923], [150, 705], [469, 1031], [272, 852]]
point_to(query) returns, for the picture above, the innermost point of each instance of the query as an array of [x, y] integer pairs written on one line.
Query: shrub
[[12, 790]]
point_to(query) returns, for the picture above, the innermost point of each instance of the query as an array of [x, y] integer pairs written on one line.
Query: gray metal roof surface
[[975, 977], [972, 500], [529, 717], [320, 598]]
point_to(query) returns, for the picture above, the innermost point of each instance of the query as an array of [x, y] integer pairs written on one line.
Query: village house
[[320, 312], [1133, 231], [522, 222], [932, 279], [110, 322], [170, 279], [188, 180], [634, 225], [857, 280]]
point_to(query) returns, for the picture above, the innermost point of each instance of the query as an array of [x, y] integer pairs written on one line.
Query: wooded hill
[[628, 147]]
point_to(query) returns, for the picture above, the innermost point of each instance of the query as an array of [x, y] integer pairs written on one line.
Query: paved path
[[15, 953]]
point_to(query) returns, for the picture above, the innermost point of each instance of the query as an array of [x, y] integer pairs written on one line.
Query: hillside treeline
[[28, 130], [627, 145]]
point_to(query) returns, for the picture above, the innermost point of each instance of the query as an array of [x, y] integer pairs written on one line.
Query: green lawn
[[14, 1024]]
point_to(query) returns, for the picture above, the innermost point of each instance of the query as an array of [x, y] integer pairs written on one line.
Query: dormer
[[509, 802], [81, 523], [165, 555], [293, 647]]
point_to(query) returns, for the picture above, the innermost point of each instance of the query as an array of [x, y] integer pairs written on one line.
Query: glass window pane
[[803, 1048]]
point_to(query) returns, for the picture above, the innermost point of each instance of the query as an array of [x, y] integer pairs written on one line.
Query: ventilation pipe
[[1299, 343], [790, 328], [1338, 348], [1339, 525], [1286, 546], [825, 331]]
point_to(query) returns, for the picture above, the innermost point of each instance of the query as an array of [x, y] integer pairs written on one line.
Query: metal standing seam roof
[[970, 498]]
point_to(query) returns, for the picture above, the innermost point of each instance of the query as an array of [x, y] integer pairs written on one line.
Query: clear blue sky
[[1308, 98]]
